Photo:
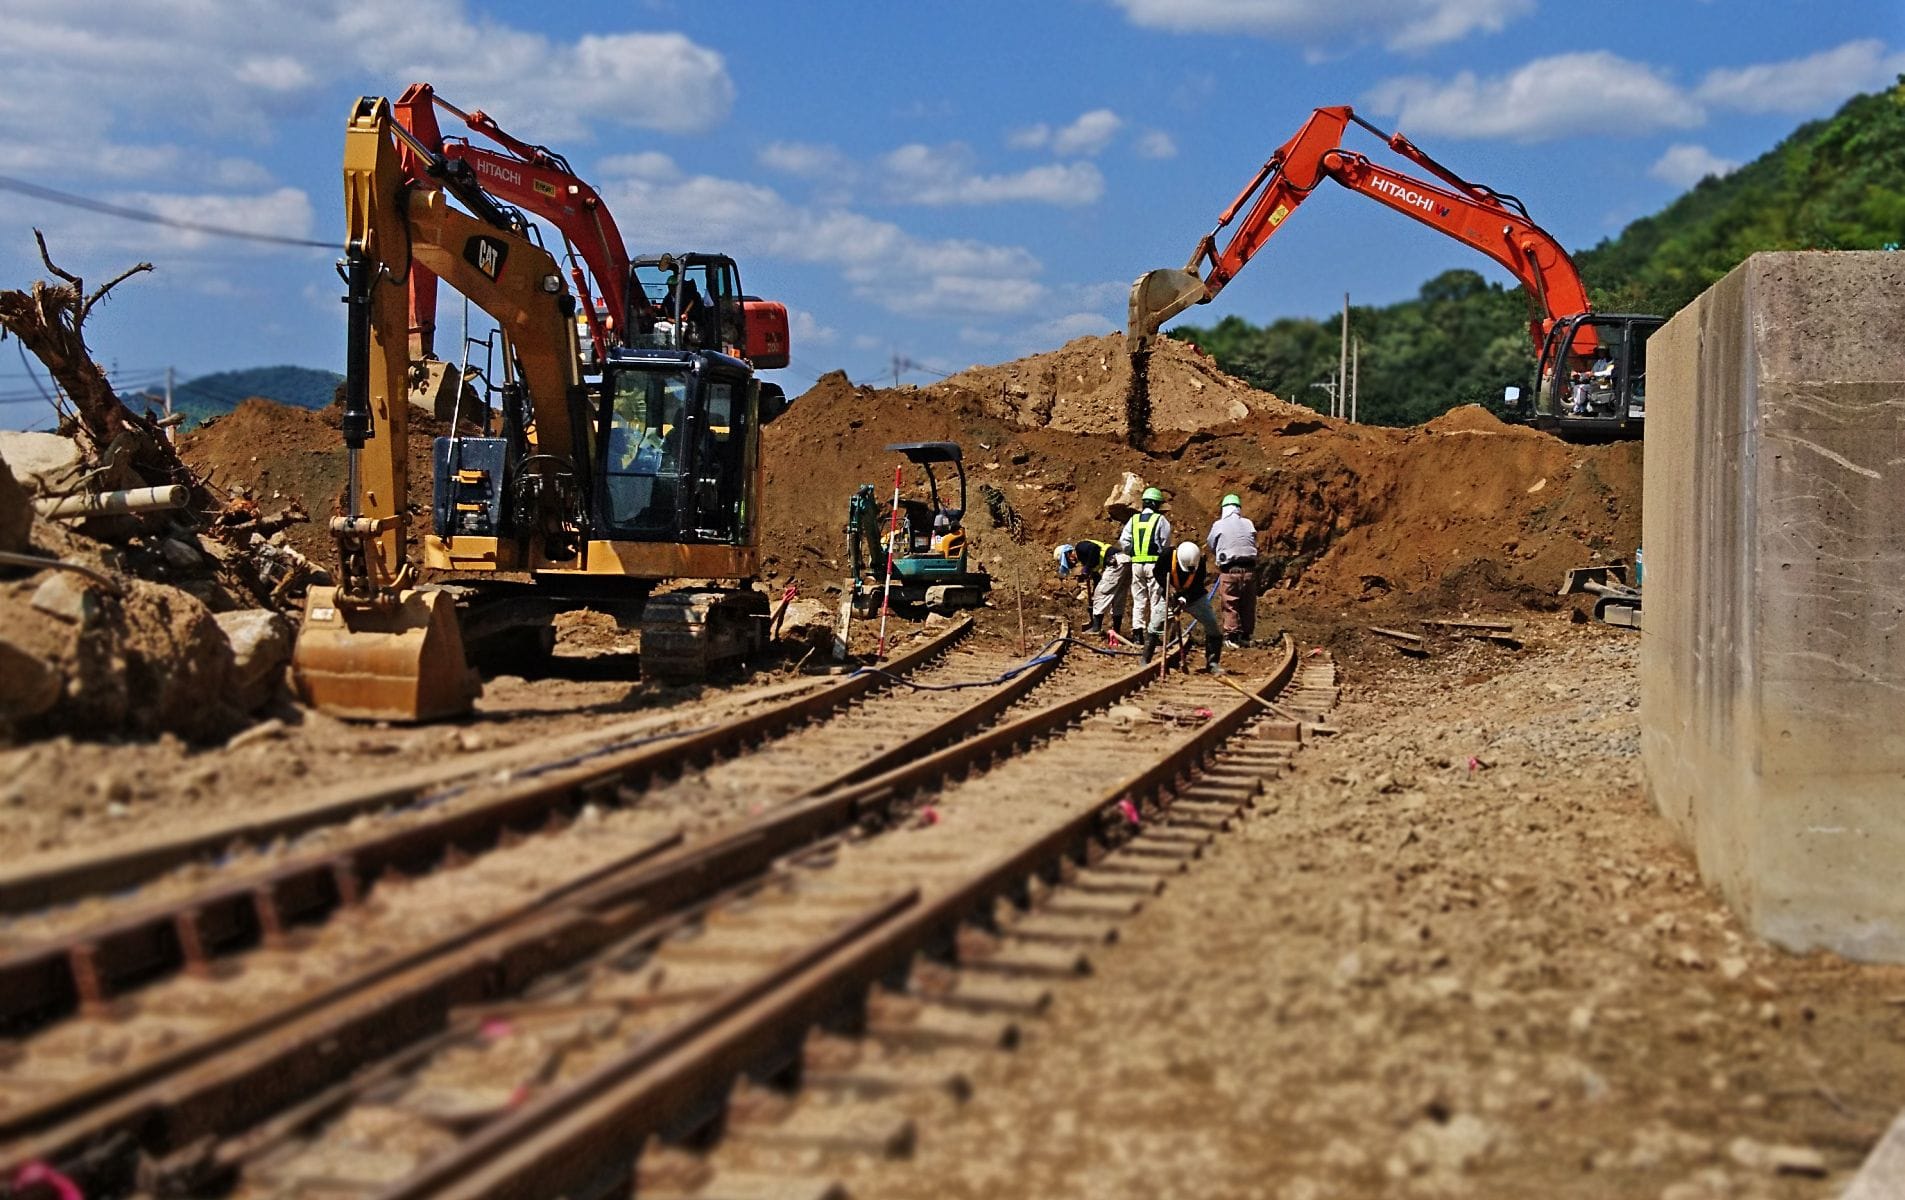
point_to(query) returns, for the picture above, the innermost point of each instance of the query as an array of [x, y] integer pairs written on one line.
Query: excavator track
[[690, 635]]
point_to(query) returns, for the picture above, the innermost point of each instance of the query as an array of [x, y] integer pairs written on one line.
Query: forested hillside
[[1837, 184]]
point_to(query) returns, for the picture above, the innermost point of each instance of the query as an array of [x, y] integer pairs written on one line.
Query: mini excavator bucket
[[401, 661], [1156, 297]]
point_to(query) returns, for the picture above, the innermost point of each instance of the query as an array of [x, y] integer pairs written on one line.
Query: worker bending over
[[1233, 543], [1145, 536], [1188, 581], [1107, 572]]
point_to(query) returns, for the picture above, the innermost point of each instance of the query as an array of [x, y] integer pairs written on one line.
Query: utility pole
[[1342, 365], [1355, 373], [1330, 387]]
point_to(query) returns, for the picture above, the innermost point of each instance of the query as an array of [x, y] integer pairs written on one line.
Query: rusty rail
[[201, 1088], [87, 967]]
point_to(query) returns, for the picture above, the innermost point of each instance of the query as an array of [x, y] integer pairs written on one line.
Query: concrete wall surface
[[1773, 655]]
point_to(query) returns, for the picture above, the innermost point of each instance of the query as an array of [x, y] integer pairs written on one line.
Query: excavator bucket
[[401, 663], [1156, 297]]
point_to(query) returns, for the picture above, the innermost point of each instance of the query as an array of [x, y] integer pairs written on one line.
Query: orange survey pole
[[892, 539]]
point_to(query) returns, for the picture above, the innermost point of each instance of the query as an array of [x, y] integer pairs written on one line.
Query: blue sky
[[955, 182]]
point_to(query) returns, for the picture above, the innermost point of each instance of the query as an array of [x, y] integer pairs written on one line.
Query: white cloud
[[805, 329], [1089, 134], [945, 175], [274, 73], [1592, 92], [883, 263], [808, 160], [1072, 325], [644, 164], [1399, 24], [1803, 85], [1032, 137], [231, 68], [1155, 143], [1684, 165], [285, 212]]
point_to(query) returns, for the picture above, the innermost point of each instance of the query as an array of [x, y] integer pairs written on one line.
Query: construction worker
[[1146, 535], [1188, 583], [1107, 572], [1233, 543]]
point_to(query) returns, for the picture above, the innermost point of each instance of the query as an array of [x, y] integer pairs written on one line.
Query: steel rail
[[202, 1088], [86, 967], [35, 886], [553, 1145]]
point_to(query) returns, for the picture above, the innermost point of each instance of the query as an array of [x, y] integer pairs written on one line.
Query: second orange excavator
[[1592, 367]]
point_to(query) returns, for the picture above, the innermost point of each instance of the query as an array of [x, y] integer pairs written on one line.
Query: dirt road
[[1458, 956]]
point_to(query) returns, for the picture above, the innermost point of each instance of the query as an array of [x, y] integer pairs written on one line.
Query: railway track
[[234, 961], [590, 955]]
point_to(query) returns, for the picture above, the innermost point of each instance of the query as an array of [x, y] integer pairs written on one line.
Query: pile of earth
[[1081, 388], [1465, 513], [276, 454]]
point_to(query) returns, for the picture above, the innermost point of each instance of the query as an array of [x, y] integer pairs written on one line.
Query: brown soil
[[1455, 954], [277, 455], [1080, 388], [1465, 513]]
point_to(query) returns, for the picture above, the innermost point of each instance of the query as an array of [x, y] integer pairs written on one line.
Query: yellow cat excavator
[[585, 486]]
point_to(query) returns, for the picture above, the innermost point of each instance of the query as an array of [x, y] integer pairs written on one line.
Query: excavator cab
[[695, 302], [1592, 381]]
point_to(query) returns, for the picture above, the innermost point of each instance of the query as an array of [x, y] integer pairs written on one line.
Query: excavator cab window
[[643, 460]]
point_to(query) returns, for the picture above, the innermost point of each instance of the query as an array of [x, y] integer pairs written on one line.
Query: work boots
[[1097, 623], [1151, 641], [1213, 650]]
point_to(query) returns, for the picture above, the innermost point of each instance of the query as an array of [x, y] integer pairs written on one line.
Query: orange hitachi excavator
[[1591, 378]]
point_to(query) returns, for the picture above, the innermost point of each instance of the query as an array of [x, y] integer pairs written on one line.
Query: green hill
[[1837, 184], [213, 395]]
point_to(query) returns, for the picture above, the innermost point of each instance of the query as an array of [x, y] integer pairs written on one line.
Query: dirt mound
[[280, 455], [1081, 386], [1464, 513], [1469, 418]]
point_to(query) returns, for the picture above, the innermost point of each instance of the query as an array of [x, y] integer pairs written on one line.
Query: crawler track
[[636, 964]]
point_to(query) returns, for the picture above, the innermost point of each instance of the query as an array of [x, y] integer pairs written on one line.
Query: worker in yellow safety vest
[[1146, 537]]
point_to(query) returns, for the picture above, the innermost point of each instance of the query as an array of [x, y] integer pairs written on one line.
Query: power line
[[7, 183]]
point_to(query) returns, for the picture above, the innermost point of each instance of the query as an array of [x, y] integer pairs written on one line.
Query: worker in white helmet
[[1188, 584], [1145, 539], [1107, 573], [1233, 542]]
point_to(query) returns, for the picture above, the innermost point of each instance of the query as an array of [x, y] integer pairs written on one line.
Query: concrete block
[[1773, 658], [1882, 1177]]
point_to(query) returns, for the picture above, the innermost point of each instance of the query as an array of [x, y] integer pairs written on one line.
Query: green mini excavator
[[930, 565]]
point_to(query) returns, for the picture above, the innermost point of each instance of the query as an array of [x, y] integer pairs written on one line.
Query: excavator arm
[[528, 176], [1491, 222], [375, 645]]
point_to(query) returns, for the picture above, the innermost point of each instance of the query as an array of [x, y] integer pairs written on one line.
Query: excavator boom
[[1491, 222]]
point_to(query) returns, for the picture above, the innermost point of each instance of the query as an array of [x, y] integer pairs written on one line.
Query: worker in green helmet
[[1233, 544], [1145, 540]]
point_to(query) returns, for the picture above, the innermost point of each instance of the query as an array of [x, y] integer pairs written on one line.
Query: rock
[[1777, 1159], [1457, 1146], [1124, 716], [1124, 498], [181, 555], [803, 615], [41, 462], [67, 596], [28, 686], [261, 646], [16, 512]]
